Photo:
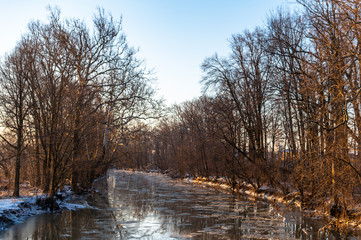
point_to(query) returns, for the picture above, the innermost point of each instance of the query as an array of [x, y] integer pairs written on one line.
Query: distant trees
[[69, 98], [186, 141]]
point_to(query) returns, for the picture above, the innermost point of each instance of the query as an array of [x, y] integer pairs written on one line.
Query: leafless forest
[[69, 98], [283, 110]]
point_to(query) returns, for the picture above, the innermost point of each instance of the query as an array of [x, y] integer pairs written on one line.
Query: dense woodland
[[69, 98], [283, 110]]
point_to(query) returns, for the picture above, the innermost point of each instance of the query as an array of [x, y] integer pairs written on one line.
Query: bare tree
[[244, 78], [14, 77]]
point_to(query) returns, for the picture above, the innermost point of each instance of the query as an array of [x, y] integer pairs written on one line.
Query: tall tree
[[244, 78], [14, 77]]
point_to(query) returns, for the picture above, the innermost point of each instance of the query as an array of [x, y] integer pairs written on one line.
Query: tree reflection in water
[[136, 205]]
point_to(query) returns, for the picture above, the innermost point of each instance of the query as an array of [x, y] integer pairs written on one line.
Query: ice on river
[[135, 205]]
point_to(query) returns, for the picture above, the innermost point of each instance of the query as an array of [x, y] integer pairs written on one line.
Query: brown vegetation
[[283, 110], [69, 95]]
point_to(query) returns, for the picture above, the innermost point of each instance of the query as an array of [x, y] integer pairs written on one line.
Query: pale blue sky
[[173, 36]]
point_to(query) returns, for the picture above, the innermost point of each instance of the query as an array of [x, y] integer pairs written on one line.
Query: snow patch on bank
[[7, 204], [16, 210], [263, 193]]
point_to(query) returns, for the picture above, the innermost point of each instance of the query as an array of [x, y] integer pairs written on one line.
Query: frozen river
[[133, 205]]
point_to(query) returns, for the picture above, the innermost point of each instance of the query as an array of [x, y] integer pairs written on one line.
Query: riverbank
[[276, 198], [32, 202]]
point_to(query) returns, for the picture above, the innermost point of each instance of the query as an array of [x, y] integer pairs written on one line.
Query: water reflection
[[179, 211], [141, 206]]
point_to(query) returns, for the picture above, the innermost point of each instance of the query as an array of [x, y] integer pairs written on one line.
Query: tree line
[[283, 110], [69, 97]]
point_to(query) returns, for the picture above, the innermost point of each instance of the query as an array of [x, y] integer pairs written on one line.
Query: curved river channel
[[134, 205]]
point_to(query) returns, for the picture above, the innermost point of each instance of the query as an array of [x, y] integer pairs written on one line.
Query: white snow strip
[[6, 204]]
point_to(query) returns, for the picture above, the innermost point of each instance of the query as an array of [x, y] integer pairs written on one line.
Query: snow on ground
[[7, 204], [15, 210], [264, 192]]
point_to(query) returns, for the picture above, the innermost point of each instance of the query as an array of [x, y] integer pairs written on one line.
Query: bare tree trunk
[[37, 158]]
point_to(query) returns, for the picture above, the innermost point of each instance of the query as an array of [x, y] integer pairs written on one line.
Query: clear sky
[[173, 36]]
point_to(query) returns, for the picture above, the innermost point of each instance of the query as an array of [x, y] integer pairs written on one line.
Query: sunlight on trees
[[283, 110], [69, 96]]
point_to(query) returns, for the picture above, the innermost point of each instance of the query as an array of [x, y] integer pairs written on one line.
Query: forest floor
[[33, 202]]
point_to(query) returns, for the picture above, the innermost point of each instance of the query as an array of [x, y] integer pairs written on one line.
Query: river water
[[134, 205]]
